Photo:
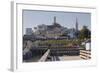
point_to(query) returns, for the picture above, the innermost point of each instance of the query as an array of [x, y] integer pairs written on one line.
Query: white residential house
[[87, 44]]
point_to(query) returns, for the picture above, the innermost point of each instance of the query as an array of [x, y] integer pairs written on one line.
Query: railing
[[44, 57], [85, 54]]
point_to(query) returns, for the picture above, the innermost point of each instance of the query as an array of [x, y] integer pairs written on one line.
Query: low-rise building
[[29, 31]]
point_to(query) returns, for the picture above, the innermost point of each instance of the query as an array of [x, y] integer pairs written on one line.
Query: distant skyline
[[32, 18]]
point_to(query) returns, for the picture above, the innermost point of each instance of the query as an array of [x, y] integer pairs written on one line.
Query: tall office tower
[[76, 24]]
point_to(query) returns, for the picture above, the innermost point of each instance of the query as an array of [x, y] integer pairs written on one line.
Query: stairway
[[85, 54]]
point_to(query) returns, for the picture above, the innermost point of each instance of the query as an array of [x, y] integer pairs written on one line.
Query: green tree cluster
[[84, 33]]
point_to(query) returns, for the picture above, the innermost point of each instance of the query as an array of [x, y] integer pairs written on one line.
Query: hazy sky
[[33, 18]]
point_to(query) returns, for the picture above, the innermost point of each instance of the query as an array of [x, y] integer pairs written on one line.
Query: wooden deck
[[44, 57], [85, 54]]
